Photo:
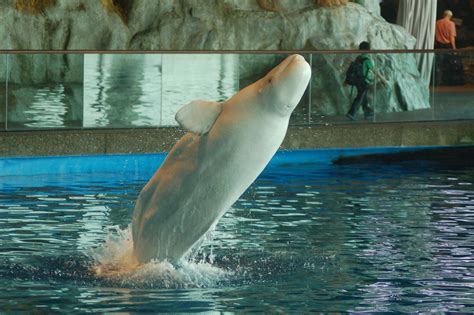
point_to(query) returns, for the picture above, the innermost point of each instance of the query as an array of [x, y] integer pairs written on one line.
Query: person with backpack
[[361, 74]]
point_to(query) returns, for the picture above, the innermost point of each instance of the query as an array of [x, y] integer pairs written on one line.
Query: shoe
[[351, 117], [369, 115]]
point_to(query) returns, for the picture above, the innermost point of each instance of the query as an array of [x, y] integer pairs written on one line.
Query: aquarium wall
[[130, 90]]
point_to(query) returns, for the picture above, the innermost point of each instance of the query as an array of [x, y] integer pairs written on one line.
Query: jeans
[[361, 99]]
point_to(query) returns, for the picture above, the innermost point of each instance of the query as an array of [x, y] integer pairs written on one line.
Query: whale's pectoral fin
[[198, 116]]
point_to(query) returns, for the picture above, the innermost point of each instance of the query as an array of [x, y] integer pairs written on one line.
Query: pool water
[[307, 236]]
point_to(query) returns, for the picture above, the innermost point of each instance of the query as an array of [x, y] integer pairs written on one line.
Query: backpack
[[355, 75]]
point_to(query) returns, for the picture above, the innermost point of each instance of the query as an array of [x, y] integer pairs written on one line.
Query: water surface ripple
[[304, 237]]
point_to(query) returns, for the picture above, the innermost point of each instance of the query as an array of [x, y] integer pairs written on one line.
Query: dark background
[[462, 9]]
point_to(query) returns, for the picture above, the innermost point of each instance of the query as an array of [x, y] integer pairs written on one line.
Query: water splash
[[115, 262]]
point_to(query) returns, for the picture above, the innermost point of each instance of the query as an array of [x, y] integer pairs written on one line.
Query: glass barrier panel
[[189, 77], [3, 91], [397, 88], [402, 87], [454, 85], [330, 97], [45, 91], [341, 94], [42, 91], [122, 90], [302, 113]]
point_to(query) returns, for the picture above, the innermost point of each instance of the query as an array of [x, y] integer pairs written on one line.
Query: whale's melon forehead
[[291, 73], [286, 83], [289, 63]]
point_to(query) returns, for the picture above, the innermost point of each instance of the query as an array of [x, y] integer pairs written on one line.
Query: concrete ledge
[[80, 142], [381, 135]]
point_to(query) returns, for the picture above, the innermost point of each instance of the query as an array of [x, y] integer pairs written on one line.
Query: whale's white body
[[203, 175]]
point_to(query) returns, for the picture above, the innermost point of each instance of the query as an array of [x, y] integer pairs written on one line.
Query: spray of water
[[115, 261]]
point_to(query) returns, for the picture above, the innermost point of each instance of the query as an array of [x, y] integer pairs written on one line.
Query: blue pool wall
[[146, 164]]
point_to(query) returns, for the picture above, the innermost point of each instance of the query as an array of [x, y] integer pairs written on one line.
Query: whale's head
[[282, 88]]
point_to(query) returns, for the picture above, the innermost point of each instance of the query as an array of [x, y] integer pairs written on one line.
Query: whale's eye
[[270, 81]]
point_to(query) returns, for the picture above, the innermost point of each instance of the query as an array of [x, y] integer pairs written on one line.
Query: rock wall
[[371, 5], [190, 25], [69, 25], [245, 28]]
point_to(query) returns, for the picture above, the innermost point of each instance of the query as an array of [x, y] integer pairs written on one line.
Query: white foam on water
[[115, 261]]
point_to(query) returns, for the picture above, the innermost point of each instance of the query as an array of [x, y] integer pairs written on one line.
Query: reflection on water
[[147, 90], [303, 238], [122, 90], [48, 108], [43, 91], [44, 106]]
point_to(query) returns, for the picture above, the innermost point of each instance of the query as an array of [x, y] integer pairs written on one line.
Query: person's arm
[[371, 68], [452, 37], [381, 77]]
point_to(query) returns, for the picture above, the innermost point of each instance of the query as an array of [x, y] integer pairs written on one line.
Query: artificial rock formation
[[371, 5], [191, 25], [330, 3], [120, 7], [270, 5], [34, 6]]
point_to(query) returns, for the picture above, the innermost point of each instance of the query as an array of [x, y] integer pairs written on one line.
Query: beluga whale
[[227, 146]]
